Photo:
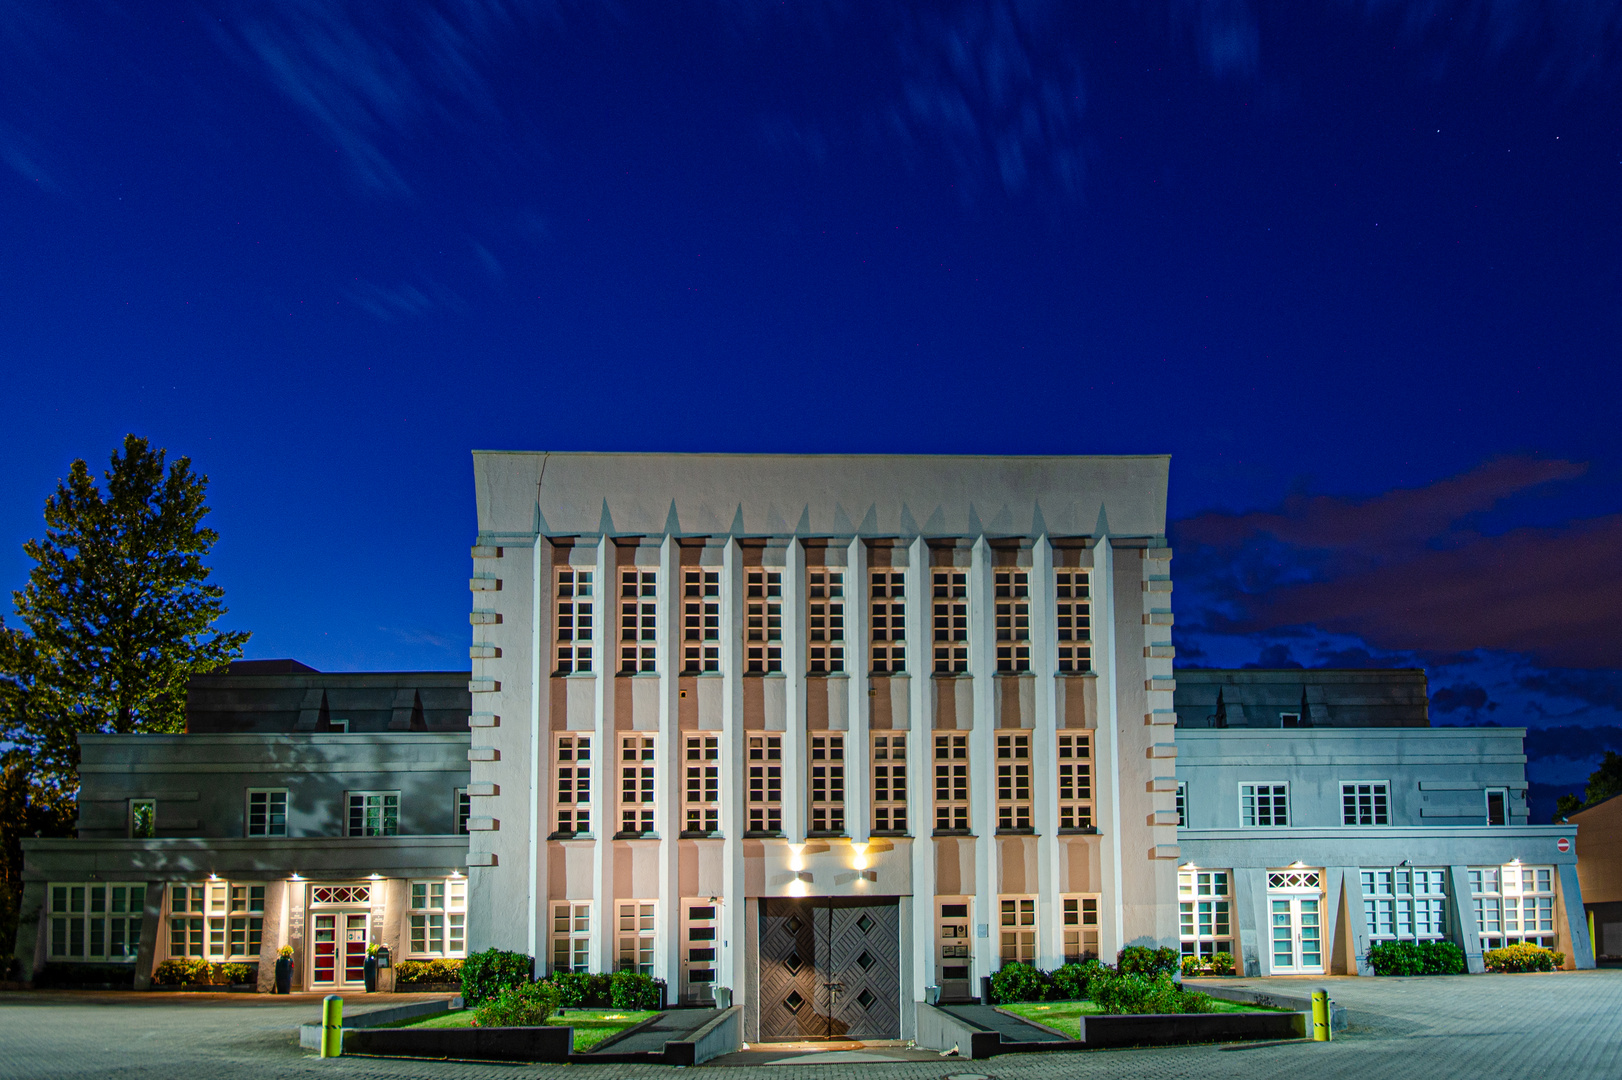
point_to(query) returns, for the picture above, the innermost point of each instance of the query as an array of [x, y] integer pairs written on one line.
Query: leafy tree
[[1603, 783], [117, 614]]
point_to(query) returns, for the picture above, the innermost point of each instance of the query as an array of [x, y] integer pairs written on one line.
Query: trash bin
[[932, 995], [723, 997]]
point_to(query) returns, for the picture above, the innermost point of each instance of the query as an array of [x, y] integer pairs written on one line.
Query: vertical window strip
[[888, 617], [1075, 780], [701, 621], [1018, 930], [634, 944], [825, 621], [1013, 783], [571, 937], [952, 783], [572, 622], [1205, 922], [1080, 925], [827, 772], [574, 785], [889, 761], [950, 617], [636, 785], [763, 622], [639, 609], [1012, 612], [1073, 619], [702, 790], [765, 785]]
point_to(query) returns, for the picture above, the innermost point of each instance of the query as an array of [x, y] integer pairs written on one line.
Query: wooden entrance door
[[830, 968]]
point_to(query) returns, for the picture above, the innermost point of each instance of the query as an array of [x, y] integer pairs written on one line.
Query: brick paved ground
[[1511, 1026]]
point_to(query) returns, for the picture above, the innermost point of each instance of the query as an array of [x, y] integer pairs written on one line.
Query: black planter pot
[[371, 974], [284, 974]]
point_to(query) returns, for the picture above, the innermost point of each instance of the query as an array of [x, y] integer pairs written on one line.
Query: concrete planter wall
[[544, 1044], [1100, 1032]]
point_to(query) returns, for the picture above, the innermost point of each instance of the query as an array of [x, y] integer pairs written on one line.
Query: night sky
[[1355, 265]]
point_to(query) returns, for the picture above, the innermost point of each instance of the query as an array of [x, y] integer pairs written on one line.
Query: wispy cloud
[[402, 301]]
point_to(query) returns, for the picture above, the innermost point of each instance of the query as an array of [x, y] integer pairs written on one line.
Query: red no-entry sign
[[1563, 844]]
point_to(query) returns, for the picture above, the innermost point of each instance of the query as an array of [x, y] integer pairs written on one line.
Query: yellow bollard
[[1320, 1016], [332, 1026]]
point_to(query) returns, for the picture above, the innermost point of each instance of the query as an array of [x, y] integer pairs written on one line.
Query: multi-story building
[[1319, 814], [321, 811], [823, 730]]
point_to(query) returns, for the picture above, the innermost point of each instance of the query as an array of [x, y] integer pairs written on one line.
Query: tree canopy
[[1603, 783], [117, 614]]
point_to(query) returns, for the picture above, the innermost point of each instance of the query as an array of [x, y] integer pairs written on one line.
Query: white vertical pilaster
[[858, 805], [794, 663], [1112, 912], [1044, 759], [667, 763], [734, 817], [605, 756], [542, 581], [920, 742], [983, 756]]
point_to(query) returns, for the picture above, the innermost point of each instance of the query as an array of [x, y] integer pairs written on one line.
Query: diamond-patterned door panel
[[830, 967], [788, 971]]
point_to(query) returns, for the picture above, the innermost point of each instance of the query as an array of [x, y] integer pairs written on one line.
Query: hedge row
[[1417, 958], [485, 975]]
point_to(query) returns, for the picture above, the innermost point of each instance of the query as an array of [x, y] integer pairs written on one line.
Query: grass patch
[[591, 1026], [1066, 1016]]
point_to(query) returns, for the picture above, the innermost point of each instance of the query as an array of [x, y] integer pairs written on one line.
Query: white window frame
[[700, 621], [1014, 807], [1075, 750], [1249, 790], [572, 790], [1379, 802], [639, 620], [1073, 618], [1011, 618], [701, 785], [461, 810], [1502, 896], [147, 829], [765, 791], [267, 827], [436, 919], [889, 765], [1205, 911], [1016, 930], [952, 783], [383, 807], [826, 782], [763, 621], [1404, 903], [75, 922], [1182, 804], [570, 936], [1078, 916], [1502, 793], [638, 763], [634, 935], [887, 617], [574, 610], [825, 620], [949, 619]]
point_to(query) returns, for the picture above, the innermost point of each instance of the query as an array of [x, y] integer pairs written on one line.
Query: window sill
[[1075, 674], [889, 832], [1014, 674], [953, 832], [950, 675], [649, 835], [572, 836], [701, 675], [1027, 831], [636, 674], [1085, 830], [574, 674], [826, 834], [763, 834], [827, 674], [700, 834], [764, 675]]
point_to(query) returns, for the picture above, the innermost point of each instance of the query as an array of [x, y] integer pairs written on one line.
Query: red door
[[355, 948], [326, 950]]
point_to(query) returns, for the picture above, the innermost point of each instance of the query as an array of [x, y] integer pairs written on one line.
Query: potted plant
[[370, 968], [284, 970]]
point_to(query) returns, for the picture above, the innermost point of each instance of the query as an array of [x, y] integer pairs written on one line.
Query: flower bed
[[1518, 958]]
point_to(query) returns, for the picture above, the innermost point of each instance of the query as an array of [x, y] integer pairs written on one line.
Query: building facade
[[1319, 814], [321, 811], [775, 723]]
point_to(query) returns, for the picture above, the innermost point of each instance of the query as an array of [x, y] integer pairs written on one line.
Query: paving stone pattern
[[1512, 1026]]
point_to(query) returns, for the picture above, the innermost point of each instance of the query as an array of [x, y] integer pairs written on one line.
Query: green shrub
[[183, 972], [485, 974], [413, 972], [1018, 982], [1069, 981], [1512, 958], [1118, 993], [1193, 965], [1417, 958], [1138, 960], [527, 1004], [230, 975], [1222, 963], [631, 990]]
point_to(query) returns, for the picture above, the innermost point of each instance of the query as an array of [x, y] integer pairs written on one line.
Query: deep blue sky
[[1356, 265]]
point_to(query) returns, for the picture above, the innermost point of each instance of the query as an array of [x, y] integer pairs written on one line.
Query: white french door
[[339, 956], [1297, 935]]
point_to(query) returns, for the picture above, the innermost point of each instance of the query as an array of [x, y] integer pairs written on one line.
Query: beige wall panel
[[624, 705], [1078, 702], [687, 704], [775, 701], [901, 703], [582, 704], [1016, 859], [699, 873], [838, 704], [754, 703], [754, 867], [954, 866], [1080, 867], [954, 704], [816, 703], [879, 704], [644, 695], [711, 697], [1016, 701]]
